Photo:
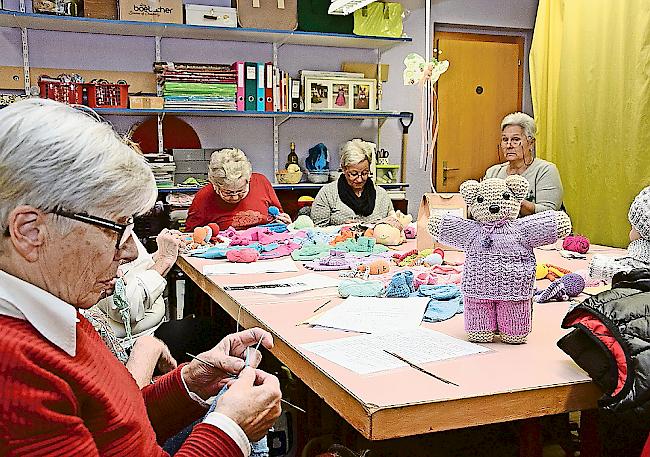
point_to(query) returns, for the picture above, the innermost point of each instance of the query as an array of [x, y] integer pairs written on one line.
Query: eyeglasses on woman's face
[[232, 193], [124, 231], [514, 141], [354, 174]]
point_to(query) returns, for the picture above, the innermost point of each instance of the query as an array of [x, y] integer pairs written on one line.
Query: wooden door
[[484, 83]]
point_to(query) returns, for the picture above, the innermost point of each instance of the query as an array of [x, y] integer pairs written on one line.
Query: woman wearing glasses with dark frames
[[69, 188], [517, 146], [235, 197], [354, 197]]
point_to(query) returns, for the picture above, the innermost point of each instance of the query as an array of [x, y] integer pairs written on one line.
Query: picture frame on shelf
[[340, 94]]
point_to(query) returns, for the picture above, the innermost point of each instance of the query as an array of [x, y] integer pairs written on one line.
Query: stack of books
[[197, 86], [163, 168]]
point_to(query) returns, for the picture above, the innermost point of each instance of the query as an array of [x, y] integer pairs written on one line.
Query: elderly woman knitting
[[354, 196], [69, 188], [236, 197], [517, 146]]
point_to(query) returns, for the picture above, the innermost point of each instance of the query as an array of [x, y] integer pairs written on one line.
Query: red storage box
[[70, 93], [108, 95]]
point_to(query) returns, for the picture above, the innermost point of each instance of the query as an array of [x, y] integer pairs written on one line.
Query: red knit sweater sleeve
[[273, 197], [208, 440], [169, 407], [197, 213]]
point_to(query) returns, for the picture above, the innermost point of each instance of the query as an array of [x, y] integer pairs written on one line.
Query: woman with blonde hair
[[235, 197], [354, 197], [517, 146]]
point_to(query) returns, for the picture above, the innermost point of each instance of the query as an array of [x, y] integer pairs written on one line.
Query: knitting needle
[[321, 306], [419, 368], [213, 366]]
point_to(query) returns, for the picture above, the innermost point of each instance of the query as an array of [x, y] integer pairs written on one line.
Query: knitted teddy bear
[[499, 273], [638, 251]]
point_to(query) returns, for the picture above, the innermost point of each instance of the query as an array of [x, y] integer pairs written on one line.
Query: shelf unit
[[24, 20], [299, 186]]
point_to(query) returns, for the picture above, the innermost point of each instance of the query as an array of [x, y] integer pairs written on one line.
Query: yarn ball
[[410, 232], [355, 287], [215, 230], [573, 283], [576, 243], [439, 251], [273, 211], [199, 235], [302, 222], [246, 255], [433, 259], [305, 200]]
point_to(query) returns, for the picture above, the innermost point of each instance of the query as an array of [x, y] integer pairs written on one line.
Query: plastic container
[[70, 93], [318, 177], [107, 95]]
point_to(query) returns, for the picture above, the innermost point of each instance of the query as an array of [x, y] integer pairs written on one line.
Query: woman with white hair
[[517, 146], [236, 197], [69, 188], [354, 197]]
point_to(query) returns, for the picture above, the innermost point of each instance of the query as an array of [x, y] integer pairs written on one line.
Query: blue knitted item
[[219, 252], [276, 227], [356, 287], [446, 301], [401, 285]]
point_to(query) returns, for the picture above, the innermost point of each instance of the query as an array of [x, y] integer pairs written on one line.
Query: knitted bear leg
[[514, 320], [480, 319]]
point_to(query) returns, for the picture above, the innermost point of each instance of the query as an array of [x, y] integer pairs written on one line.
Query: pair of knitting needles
[[247, 363], [419, 368]]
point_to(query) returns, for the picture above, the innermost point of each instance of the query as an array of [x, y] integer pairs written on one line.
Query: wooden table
[[508, 383]]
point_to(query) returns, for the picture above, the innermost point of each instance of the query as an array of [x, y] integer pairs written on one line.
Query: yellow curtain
[[590, 82]]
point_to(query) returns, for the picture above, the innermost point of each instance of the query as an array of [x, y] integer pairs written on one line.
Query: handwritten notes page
[[300, 283], [374, 315], [365, 354]]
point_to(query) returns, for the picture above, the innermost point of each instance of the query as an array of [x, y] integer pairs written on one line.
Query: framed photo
[[339, 94]]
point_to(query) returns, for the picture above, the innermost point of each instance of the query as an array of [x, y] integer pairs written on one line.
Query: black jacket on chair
[[611, 342]]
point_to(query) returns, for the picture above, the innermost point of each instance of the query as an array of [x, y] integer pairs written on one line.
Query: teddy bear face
[[495, 199]]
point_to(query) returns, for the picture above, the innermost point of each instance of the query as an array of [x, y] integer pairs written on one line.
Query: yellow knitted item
[[541, 270]]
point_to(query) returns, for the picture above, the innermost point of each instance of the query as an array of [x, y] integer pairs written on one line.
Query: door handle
[[446, 169]]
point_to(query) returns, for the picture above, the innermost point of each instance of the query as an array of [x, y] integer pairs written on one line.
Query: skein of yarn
[[576, 243], [245, 255]]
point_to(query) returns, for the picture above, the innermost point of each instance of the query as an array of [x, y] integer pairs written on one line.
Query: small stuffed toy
[[390, 231], [562, 289], [638, 251], [499, 273]]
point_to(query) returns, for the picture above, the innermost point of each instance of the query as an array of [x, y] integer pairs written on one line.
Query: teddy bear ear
[[518, 186], [469, 190]]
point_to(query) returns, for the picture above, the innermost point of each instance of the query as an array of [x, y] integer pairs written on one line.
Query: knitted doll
[[499, 273], [638, 251]]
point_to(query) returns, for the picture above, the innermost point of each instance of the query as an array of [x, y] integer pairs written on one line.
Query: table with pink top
[[510, 382]]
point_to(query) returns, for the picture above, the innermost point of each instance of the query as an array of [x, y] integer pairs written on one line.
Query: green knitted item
[[122, 304], [311, 251], [355, 287], [362, 245]]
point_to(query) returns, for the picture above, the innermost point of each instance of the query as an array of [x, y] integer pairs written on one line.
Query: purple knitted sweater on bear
[[499, 257]]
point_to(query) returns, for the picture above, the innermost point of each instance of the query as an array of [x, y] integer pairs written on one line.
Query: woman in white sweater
[[354, 197]]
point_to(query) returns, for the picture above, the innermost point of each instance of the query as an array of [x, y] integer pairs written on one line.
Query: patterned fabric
[[252, 210], [605, 267], [328, 209], [639, 214], [101, 325]]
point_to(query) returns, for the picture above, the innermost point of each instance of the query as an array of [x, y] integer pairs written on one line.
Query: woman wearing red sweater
[[236, 197], [69, 188]]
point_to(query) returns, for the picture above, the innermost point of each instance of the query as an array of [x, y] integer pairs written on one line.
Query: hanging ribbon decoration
[[425, 72]]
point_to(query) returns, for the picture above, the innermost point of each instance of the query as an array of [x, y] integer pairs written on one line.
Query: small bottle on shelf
[[292, 157]]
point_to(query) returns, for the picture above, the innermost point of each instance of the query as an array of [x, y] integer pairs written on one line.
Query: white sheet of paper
[[301, 283], [365, 354], [263, 266], [374, 314]]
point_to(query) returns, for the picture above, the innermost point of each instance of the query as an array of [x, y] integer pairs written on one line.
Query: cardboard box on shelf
[[146, 102], [214, 16], [100, 9], [369, 70], [152, 11]]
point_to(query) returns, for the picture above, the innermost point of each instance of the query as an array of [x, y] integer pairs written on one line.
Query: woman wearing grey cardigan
[[354, 197], [517, 142]]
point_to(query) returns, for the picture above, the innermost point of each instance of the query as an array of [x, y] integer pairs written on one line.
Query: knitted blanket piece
[[122, 303], [401, 285], [354, 287], [605, 267], [446, 301], [311, 251], [499, 257]]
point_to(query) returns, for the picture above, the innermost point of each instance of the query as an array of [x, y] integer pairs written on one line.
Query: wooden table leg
[[589, 436], [530, 437]]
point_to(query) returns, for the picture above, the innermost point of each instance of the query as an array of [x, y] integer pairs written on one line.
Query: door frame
[[522, 37]]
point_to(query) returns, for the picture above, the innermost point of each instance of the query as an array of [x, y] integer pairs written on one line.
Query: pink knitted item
[[410, 232], [576, 243], [510, 317], [424, 278], [399, 256], [242, 255], [281, 251]]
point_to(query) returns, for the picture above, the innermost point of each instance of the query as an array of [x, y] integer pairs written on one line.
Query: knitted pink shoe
[[424, 278]]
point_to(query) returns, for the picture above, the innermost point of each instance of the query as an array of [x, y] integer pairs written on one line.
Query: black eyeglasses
[[124, 230]]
